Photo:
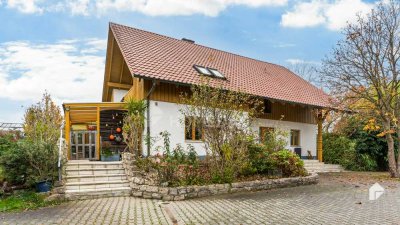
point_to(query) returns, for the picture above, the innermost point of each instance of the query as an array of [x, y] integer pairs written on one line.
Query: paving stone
[[315, 204]]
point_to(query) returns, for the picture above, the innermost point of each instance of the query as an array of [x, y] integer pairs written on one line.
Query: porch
[[91, 126]]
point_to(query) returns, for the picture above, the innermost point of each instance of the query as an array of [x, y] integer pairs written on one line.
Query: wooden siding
[[290, 112], [137, 91], [167, 92]]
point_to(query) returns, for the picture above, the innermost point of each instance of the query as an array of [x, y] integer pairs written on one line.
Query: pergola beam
[[119, 85]]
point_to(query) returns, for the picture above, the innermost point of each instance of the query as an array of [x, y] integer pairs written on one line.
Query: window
[[294, 137], [266, 133], [203, 70], [209, 72], [216, 73], [267, 106], [193, 131]]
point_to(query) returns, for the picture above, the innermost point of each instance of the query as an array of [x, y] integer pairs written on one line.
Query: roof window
[[209, 72]]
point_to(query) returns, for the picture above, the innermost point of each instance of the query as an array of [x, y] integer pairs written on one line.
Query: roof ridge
[[204, 46]]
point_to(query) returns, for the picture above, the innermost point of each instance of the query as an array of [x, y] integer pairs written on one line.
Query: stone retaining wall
[[145, 187]]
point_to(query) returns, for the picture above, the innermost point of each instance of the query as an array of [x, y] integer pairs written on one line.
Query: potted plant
[[107, 154]]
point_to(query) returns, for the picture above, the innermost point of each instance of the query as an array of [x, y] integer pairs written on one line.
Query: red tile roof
[[155, 56]]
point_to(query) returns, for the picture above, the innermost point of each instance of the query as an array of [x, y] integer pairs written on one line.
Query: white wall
[[167, 117], [308, 133], [118, 95]]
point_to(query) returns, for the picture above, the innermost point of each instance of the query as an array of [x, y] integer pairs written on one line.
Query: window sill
[[193, 141]]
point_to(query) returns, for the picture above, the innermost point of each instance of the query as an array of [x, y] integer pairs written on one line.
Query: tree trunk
[[391, 156], [398, 149]]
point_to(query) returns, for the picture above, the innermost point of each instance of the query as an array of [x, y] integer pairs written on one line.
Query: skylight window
[[216, 73], [209, 72], [203, 70]]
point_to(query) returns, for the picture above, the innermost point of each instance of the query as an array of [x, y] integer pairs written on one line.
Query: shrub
[[13, 161], [177, 167], [339, 149], [223, 119], [288, 162], [258, 156], [134, 125]]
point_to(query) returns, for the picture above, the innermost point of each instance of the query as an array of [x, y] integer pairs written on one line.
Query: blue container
[[43, 186], [114, 157]]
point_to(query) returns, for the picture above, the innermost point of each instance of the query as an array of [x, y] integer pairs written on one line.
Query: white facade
[[166, 116], [308, 133], [118, 95]]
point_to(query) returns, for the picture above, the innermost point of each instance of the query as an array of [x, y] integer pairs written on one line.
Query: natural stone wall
[[143, 186]]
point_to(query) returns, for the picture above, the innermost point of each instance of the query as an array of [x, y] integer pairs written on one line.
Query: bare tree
[[308, 71], [364, 68]]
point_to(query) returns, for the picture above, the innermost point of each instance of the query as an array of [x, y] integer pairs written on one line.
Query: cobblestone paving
[[318, 204]]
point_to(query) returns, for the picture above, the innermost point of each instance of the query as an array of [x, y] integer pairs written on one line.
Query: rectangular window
[[265, 133], [267, 106], [294, 137], [193, 131]]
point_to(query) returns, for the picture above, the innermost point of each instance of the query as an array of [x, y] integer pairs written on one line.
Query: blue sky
[[59, 46]]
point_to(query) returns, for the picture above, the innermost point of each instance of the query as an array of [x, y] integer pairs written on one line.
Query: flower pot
[[43, 186]]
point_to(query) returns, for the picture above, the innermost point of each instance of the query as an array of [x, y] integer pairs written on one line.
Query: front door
[[83, 145]]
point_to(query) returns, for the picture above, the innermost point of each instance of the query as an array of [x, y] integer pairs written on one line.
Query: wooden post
[[320, 115], [68, 133], [98, 132], [319, 138]]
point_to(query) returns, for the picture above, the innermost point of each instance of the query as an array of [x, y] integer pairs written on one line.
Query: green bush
[[13, 161], [259, 162], [176, 167], [367, 142], [288, 162], [339, 149]]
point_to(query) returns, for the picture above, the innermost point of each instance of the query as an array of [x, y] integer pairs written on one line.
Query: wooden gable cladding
[[117, 74], [167, 92], [137, 91], [290, 112]]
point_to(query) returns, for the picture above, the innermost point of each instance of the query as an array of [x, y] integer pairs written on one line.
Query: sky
[[59, 46]]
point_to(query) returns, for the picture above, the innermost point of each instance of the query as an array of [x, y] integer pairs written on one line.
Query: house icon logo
[[375, 191]]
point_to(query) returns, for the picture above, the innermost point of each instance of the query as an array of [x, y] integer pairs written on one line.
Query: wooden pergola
[[86, 113]]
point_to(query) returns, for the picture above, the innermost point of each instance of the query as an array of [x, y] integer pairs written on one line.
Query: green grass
[[23, 200]]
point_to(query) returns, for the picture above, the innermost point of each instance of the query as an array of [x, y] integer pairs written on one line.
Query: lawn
[[23, 200]]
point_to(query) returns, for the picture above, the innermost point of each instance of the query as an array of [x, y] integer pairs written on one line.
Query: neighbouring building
[[157, 68]]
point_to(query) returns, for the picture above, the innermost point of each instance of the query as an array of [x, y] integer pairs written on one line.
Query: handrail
[[60, 152]]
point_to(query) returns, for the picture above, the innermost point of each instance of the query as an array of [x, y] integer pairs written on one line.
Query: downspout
[[153, 86], [60, 153]]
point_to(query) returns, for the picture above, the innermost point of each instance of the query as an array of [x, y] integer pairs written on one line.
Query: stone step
[[97, 193], [94, 178], [94, 165], [93, 171], [96, 185], [330, 166]]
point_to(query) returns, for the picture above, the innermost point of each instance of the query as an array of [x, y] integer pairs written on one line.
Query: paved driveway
[[336, 200]]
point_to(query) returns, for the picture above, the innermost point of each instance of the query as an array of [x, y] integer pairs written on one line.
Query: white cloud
[[334, 14], [68, 71], [25, 6], [148, 7], [284, 45], [79, 7], [295, 61], [180, 7]]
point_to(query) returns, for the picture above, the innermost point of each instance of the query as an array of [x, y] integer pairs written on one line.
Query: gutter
[[153, 86]]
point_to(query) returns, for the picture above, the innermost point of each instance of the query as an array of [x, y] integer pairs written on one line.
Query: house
[[153, 67]]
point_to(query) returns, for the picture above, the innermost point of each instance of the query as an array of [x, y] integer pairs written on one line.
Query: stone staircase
[[91, 179], [314, 166]]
